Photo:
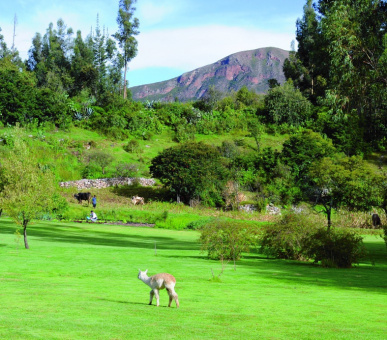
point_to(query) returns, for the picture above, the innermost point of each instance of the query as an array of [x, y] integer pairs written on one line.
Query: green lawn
[[79, 281]]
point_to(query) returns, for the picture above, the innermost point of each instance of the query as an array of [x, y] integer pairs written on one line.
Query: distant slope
[[248, 68]]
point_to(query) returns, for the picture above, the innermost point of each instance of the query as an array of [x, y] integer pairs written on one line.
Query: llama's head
[[142, 275]]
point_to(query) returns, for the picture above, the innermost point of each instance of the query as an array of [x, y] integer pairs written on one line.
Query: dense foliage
[[226, 240], [191, 170], [300, 238], [27, 188]]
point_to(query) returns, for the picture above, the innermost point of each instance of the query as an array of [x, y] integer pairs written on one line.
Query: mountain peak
[[251, 68]]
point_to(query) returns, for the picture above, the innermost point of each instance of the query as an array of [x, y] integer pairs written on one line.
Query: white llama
[[157, 282]]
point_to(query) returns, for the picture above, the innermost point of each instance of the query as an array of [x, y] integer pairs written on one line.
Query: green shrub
[[93, 144], [198, 224], [184, 133], [147, 135], [92, 171], [286, 238], [132, 146], [339, 248], [126, 170], [227, 239]]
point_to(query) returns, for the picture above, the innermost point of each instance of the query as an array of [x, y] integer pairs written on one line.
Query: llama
[[157, 282]]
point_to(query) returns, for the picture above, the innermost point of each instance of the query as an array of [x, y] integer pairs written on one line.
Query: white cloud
[[155, 12], [190, 48]]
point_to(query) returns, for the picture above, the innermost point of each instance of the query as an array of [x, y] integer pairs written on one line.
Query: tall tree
[[12, 54], [308, 66], [355, 32], [128, 27], [83, 69], [27, 188]]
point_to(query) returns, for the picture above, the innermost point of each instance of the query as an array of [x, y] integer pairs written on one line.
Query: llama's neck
[[146, 280]]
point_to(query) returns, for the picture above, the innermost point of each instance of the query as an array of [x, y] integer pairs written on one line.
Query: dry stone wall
[[107, 182]]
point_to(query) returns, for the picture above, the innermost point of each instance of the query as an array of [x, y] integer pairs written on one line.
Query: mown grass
[[79, 281]]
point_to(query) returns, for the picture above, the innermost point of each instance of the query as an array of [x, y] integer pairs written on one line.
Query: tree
[[27, 188], [227, 240], [191, 170], [256, 129], [308, 66], [286, 104], [209, 100], [355, 32], [127, 30], [101, 158], [304, 148], [345, 182], [18, 93]]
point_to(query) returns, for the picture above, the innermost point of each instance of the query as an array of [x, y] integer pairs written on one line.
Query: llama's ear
[[146, 271]]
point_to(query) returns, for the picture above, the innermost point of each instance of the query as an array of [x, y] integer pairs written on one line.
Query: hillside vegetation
[[317, 140]]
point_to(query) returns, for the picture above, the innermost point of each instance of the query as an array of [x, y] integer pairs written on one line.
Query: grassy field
[[79, 281]]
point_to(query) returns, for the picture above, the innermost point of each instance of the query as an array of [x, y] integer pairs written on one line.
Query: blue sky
[[176, 36]]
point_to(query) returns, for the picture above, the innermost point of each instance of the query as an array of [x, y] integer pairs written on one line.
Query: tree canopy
[[27, 187], [191, 170]]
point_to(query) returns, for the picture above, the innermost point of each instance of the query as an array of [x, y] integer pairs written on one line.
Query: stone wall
[[107, 182]]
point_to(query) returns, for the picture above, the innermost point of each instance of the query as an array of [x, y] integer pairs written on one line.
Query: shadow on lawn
[[123, 302], [370, 275], [73, 234]]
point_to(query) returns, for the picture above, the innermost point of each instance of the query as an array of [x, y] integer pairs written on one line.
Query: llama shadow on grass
[[131, 303]]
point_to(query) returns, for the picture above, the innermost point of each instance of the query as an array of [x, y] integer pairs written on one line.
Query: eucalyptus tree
[[12, 54], [4, 51], [307, 66], [356, 36], [83, 69], [128, 27]]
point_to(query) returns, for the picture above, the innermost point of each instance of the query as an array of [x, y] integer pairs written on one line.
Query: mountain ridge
[[251, 68]]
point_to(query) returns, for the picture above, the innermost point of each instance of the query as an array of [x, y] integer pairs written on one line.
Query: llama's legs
[[157, 296], [151, 296], [170, 297], [176, 300]]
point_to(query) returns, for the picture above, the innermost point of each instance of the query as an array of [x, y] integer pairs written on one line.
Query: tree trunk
[[329, 213], [126, 67], [25, 235]]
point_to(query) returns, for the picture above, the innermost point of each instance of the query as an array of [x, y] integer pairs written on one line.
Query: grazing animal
[[83, 196], [137, 200], [376, 220], [157, 282]]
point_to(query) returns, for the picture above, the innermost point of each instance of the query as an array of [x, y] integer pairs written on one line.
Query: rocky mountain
[[248, 68]]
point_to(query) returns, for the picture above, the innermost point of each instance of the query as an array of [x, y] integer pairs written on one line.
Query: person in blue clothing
[[94, 201]]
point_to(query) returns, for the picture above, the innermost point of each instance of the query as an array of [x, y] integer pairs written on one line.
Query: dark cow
[[376, 221], [83, 196]]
